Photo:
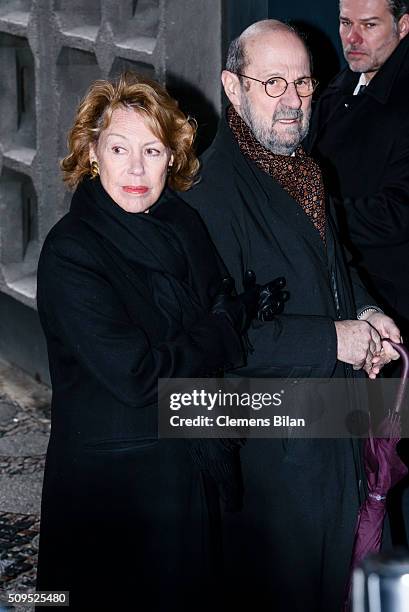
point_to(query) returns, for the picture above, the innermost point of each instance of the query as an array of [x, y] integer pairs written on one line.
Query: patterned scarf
[[299, 175]]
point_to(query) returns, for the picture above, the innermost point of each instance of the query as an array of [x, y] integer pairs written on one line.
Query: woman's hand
[[260, 302], [272, 298]]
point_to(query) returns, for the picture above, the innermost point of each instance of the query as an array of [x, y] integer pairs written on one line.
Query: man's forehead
[[276, 50], [364, 9]]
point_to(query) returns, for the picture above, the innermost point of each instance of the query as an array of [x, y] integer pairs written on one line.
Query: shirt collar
[[362, 81]]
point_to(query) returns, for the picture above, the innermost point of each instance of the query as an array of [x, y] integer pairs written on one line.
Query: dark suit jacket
[[290, 547], [123, 300], [363, 144]]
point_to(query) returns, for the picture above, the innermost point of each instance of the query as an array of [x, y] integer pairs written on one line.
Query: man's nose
[[354, 36], [290, 97]]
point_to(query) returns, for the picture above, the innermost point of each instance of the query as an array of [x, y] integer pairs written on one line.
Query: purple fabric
[[384, 469]]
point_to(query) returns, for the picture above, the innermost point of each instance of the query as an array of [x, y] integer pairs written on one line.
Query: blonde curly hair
[[160, 111]]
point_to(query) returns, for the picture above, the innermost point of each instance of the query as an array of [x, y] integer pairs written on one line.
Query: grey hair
[[398, 8], [236, 56], [237, 59]]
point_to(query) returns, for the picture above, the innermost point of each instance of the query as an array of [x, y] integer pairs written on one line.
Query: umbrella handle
[[404, 355]]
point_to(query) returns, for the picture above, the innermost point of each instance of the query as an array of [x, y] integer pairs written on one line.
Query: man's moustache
[[353, 48], [294, 114]]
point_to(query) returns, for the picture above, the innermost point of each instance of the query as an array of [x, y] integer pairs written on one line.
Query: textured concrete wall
[[50, 51]]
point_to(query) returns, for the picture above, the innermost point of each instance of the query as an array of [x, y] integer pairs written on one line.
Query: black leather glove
[[256, 302], [272, 298]]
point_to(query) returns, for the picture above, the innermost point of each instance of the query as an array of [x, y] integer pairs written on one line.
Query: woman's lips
[[137, 190]]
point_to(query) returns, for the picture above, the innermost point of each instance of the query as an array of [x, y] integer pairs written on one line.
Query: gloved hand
[[256, 302], [272, 297]]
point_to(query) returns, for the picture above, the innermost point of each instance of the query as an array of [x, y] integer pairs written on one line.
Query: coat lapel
[[286, 207]]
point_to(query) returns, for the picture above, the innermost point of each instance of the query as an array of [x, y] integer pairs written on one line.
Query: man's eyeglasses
[[277, 86]]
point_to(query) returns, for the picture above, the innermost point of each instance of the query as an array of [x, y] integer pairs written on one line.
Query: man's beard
[[280, 144]]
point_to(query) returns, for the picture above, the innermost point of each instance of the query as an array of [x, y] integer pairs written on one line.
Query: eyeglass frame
[[315, 83]]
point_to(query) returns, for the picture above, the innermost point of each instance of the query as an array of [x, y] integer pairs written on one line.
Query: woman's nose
[[136, 165]]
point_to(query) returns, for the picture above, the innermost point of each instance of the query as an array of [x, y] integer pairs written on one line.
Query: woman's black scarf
[[165, 241]]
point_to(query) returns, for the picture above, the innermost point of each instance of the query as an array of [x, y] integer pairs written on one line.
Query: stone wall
[[50, 51]]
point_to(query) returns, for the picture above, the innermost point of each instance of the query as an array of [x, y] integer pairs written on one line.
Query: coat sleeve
[[287, 346], [382, 218], [79, 308], [292, 346]]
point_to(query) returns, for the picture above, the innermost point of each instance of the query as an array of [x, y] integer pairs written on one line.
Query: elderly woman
[[126, 283]]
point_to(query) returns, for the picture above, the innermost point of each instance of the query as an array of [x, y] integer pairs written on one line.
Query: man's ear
[[232, 87], [403, 26]]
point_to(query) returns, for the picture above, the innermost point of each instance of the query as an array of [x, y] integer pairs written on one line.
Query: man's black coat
[[290, 547], [363, 144]]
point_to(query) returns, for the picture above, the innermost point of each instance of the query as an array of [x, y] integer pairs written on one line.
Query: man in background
[[262, 199], [360, 133]]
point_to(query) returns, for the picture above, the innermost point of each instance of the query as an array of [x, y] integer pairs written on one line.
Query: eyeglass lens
[[277, 86]]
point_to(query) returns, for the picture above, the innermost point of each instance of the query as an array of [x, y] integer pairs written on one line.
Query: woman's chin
[[135, 204]]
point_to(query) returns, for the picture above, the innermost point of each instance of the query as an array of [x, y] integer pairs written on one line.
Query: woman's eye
[[151, 151], [117, 150]]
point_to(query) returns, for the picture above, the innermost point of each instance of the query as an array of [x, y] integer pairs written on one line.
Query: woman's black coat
[[123, 299]]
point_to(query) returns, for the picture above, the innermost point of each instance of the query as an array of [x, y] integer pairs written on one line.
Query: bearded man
[[262, 199]]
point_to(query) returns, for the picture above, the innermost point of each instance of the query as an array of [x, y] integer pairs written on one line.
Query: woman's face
[[132, 161]]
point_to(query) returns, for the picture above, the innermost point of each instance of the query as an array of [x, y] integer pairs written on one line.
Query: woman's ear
[[92, 152]]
